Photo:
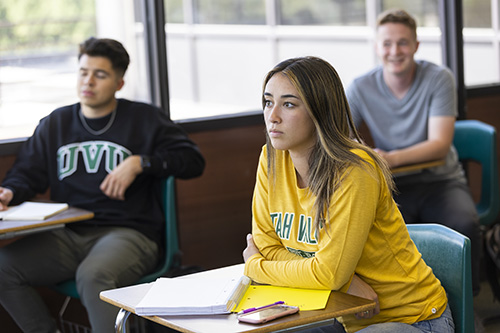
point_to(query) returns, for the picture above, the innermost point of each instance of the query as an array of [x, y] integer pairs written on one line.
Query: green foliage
[[230, 11], [322, 12], [47, 26], [477, 13], [174, 11]]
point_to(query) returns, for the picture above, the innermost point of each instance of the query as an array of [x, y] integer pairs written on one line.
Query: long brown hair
[[321, 90]]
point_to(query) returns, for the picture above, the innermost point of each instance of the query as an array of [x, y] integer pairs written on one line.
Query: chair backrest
[[171, 241], [171, 235], [447, 252], [477, 141]]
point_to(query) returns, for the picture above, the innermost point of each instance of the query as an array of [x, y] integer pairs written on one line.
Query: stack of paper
[[193, 296]]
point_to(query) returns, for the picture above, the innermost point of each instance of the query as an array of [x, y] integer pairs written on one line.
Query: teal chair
[[447, 252], [170, 258], [477, 141]]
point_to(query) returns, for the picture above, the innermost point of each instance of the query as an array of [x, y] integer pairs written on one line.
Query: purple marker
[[260, 307]]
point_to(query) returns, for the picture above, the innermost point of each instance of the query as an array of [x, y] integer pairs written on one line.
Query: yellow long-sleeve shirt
[[365, 235]]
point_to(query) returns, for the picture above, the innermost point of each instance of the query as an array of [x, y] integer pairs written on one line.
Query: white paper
[[191, 296], [32, 211], [3, 213]]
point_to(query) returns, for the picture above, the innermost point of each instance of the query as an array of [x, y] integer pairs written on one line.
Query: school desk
[[415, 168], [127, 298], [11, 229]]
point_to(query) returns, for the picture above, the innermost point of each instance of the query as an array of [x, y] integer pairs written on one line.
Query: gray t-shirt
[[397, 124]]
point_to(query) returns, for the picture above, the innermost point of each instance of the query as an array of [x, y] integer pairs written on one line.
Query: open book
[[33, 211]]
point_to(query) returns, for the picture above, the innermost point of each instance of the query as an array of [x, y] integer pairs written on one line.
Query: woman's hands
[[251, 249], [360, 288]]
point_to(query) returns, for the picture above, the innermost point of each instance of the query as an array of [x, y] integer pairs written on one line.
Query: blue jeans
[[443, 324]]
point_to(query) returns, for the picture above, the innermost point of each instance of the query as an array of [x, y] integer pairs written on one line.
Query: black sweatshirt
[[65, 157]]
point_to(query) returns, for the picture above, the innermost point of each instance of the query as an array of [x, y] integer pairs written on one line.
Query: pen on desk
[[260, 307]]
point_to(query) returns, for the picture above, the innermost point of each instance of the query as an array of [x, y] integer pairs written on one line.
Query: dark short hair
[[108, 48], [398, 16]]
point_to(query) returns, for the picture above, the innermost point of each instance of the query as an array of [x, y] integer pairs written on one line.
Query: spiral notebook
[[170, 296]]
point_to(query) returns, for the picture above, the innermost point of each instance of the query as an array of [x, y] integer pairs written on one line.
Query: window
[[229, 12], [38, 55], [219, 50], [37, 58], [425, 12], [481, 42], [174, 11], [322, 12]]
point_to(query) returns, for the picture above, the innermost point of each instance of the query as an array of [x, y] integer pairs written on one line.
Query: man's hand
[[251, 249], [437, 145], [6, 196], [360, 288], [117, 181], [390, 157]]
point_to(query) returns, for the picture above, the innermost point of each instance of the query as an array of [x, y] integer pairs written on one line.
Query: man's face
[[97, 83], [396, 46]]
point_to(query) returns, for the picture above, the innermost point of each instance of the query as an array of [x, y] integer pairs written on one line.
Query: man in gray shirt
[[410, 108]]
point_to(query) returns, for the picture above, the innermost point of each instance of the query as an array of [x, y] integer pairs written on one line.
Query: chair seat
[[67, 288]]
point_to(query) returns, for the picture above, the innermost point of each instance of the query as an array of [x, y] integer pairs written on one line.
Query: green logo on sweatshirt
[[93, 154], [283, 223]]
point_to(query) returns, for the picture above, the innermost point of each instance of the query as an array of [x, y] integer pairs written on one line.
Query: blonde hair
[[398, 16]]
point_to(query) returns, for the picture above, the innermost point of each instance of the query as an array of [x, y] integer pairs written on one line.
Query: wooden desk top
[[72, 214], [415, 168], [339, 304]]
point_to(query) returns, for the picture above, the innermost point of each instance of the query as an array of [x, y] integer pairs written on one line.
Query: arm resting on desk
[[362, 289]]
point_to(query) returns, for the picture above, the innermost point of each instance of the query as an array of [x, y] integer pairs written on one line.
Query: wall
[[214, 210], [486, 109]]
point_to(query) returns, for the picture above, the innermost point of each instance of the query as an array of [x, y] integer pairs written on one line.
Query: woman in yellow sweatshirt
[[323, 212]]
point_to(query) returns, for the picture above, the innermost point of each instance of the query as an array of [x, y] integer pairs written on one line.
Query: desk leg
[[121, 321]]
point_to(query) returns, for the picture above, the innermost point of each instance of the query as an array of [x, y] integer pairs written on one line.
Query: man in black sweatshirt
[[105, 155]]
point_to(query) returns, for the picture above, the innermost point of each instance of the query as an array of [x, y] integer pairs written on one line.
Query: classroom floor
[[486, 307]]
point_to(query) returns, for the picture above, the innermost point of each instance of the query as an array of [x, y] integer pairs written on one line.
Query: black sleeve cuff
[[152, 165]]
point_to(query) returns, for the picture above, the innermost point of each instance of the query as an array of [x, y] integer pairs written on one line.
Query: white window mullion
[[496, 33]]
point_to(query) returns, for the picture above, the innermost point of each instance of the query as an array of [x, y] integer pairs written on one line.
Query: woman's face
[[287, 122]]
